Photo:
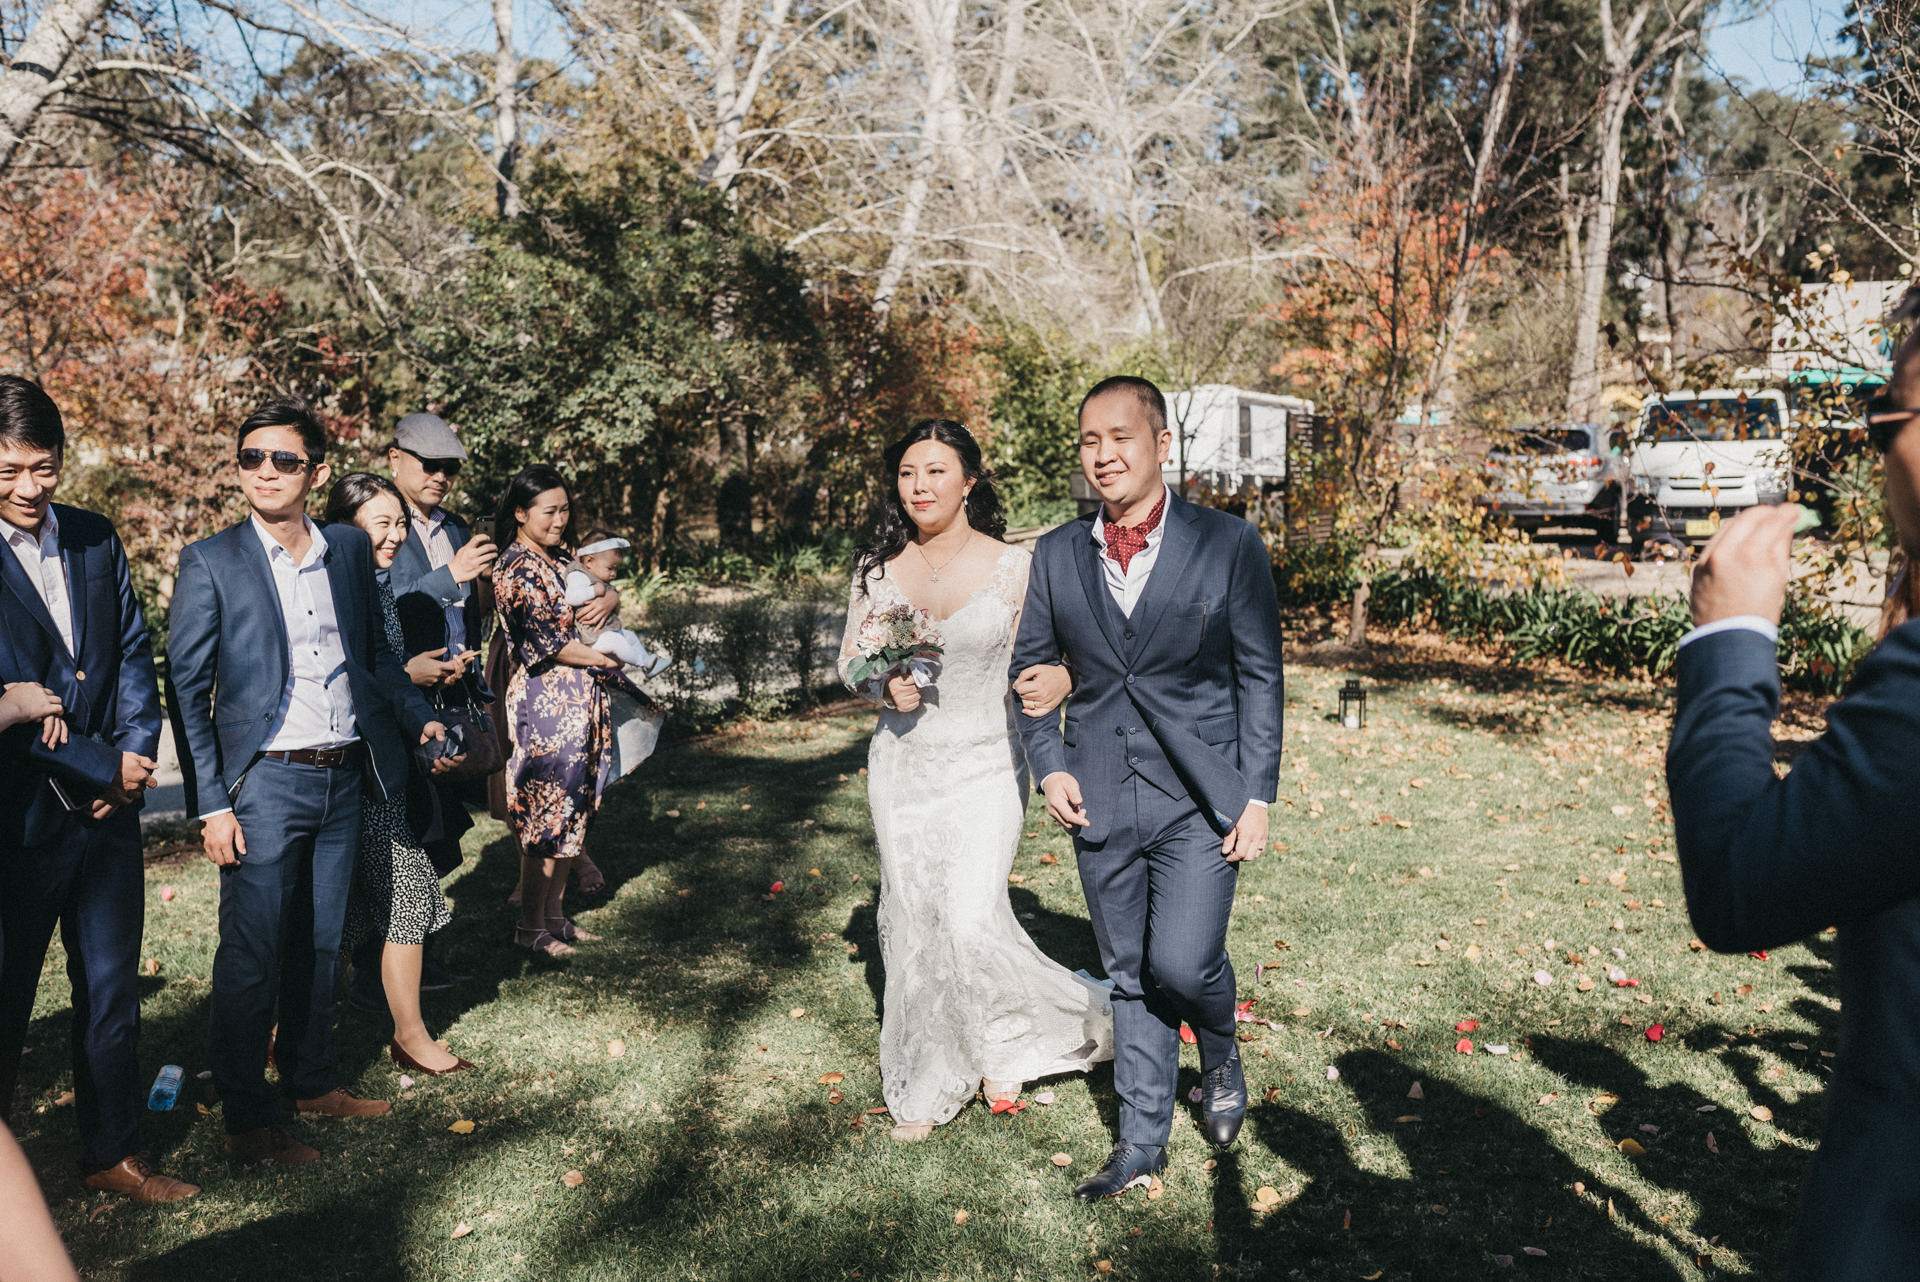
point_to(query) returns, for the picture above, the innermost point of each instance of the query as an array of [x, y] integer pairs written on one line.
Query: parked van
[[1570, 475], [1699, 455]]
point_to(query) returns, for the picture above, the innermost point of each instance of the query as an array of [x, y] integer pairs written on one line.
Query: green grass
[[710, 1149]]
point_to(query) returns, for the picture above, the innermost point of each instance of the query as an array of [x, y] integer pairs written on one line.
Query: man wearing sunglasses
[[1770, 860], [286, 700]]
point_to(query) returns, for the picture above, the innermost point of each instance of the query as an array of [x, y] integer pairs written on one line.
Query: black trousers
[[91, 885]]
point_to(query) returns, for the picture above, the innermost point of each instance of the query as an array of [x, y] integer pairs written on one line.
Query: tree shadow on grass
[[1481, 1181]]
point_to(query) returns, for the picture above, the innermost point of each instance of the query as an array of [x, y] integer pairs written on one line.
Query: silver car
[[1563, 474]]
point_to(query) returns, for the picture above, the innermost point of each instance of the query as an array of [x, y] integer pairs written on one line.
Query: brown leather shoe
[[339, 1103], [271, 1144], [140, 1182]]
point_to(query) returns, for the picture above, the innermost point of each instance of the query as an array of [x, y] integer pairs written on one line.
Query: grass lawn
[[1486, 849]]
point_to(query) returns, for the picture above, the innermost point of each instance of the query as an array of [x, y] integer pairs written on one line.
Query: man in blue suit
[[287, 702], [1168, 758], [69, 621], [1769, 860]]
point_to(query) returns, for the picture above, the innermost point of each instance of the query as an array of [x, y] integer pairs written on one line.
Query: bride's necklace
[[933, 569]]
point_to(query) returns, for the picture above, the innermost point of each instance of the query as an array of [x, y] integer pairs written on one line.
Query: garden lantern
[[1353, 704]]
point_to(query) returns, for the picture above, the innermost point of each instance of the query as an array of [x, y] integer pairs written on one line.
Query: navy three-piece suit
[[1836, 842], [69, 870], [1174, 726]]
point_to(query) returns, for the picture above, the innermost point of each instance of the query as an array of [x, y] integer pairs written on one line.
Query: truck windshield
[[1717, 418]]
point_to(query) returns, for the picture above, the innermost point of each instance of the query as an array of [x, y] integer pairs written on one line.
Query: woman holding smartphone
[[394, 880]]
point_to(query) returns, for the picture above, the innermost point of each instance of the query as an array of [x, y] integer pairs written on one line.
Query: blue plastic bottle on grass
[[166, 1088]]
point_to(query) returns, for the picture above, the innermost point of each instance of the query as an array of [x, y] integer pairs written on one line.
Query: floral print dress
[[561, 717]]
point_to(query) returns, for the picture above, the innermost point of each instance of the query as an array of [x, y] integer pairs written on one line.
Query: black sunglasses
[[285, 462], [1885, 419], [447, 467]]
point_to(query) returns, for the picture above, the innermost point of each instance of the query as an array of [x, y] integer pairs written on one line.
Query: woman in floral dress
[[556, 703]]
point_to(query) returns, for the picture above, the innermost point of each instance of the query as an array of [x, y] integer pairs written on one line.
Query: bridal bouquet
[[898, 638]]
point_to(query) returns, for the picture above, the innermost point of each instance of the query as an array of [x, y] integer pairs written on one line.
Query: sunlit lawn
[[1490, 829]]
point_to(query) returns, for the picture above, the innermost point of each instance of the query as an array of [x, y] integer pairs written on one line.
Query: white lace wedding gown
[[968, 993]]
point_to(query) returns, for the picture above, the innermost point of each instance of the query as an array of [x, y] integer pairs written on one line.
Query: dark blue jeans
[[90, 884], [282, 910], [1160, 893]]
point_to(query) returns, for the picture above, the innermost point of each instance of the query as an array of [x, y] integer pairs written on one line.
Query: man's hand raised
[[475, 557], [1746, 565]]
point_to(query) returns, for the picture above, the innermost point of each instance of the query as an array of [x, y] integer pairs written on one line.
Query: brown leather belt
[[326, 758]]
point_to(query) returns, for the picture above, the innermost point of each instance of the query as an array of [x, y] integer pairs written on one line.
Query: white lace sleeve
[[859, 606]]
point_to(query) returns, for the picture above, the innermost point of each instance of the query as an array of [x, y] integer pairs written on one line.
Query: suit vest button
[[1118, 730], [1129, 678], [79, 675]]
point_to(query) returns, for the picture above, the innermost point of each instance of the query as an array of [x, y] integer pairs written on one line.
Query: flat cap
[[428, 436]]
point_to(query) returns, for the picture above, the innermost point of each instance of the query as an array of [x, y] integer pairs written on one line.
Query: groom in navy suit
[[70, 622], [1167, 760]]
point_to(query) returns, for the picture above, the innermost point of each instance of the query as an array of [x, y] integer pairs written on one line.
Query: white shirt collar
[[1153, 535], [273, 546], [49, 532]]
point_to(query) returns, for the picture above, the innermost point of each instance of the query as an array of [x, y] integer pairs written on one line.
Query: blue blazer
[[109, 689], [1836, 843], [417, 585], [227, 656], [1186, 693]]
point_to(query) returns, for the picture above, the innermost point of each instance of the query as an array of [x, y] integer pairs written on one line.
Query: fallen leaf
[[832, 1079], [1534, 1251], [813, 872], [461, 1230], [1548, 1098], [616, 1048], [1103, 1266], [1585, 985], [1408, 1117], [1631, 1147], [1061, 1159], [673, 814], [798, 1012], [1713, 1145], [1760, 1113], [573, 1179], [1049, 858], [1416, 1091], [462, 1127], [63, 1100], [834, 1096], [875, 1112], [153, 965], [961, 1217], [1156, 1190]]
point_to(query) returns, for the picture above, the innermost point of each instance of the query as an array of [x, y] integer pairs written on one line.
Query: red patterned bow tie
[[1124, 542]]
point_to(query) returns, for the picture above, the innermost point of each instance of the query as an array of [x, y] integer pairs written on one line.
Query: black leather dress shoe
[[1223, 1096], [1127, 1166]]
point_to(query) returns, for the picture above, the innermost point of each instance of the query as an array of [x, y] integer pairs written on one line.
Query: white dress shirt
[[1127, 585], [439, 544], [316, 707], [39, 556]]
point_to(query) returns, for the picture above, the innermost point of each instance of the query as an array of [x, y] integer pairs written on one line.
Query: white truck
[[1699, 455]]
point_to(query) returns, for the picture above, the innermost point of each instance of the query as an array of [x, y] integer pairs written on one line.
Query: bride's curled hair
[[895, 528]]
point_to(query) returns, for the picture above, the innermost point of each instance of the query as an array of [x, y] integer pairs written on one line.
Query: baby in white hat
[[593, 567]]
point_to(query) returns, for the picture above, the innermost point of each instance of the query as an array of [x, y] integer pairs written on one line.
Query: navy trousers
[[282, 911], [1160, 893], [90, 884]]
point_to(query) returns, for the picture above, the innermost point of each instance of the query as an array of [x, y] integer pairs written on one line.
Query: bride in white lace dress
[[971, 1002]]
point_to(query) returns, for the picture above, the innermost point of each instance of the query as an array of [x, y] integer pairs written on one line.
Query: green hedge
[[1613, 634]]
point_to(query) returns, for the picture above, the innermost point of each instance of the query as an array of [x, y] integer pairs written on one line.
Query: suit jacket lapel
[[23, 587], [255, 556], [74, 554], [346, 603], [1176, 549], [1093, 578]]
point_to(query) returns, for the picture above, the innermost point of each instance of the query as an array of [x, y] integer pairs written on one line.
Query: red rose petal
[[1760, 955], [1464, 1046], [1186, 1035], [1656, 1032], [1467, 1026]]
